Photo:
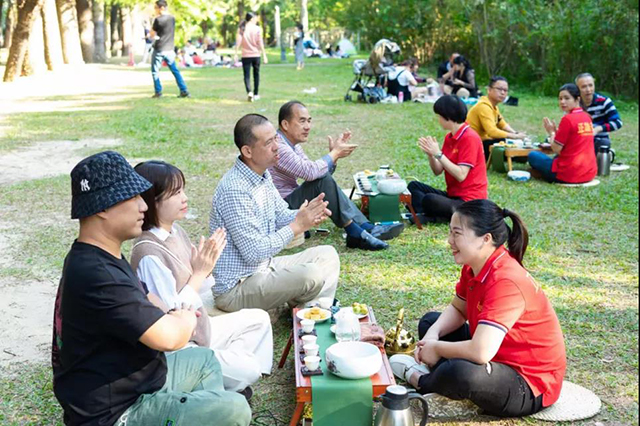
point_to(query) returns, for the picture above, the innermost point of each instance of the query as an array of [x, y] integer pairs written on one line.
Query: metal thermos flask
[[395, 410], [604, 159]]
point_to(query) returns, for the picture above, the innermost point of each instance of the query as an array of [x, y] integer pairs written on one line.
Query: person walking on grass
[[249, 41], [163, 31], [109, 339]]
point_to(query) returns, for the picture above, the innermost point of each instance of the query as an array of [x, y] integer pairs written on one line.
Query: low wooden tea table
[[380, 380]]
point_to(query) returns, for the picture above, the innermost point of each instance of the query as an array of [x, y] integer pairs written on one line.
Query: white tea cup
[[309, 339], [311, 349], [312, 362], [307, 325], [325, 302]]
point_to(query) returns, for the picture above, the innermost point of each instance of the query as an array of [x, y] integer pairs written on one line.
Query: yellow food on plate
[[360, 308], [315, 314]]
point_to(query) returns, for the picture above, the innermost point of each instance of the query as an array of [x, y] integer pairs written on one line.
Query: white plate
[[325, 313], [359, 316]]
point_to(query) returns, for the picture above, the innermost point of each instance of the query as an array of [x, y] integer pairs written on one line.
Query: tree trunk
[[71, 51], [114, 23], [99, 49], [9, 24], [278, 30], [241, 10], [51, 33], [20, 43], [304, 15], [85, 24], [126, 30], [35, 64]]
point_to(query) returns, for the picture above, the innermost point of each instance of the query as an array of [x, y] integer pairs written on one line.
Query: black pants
[[496, 388], [486, 144], [247, 63], [342, 208], [433, 203]]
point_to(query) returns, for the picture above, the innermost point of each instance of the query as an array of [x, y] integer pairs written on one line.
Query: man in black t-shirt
[[108, 338], [445, 72], [163, 30]]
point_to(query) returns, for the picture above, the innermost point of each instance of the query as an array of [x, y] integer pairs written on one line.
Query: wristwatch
[[438, 156]]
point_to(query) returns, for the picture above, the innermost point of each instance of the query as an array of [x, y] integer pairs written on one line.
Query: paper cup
[[307, 325], [312, 362], [309, 340], [311, 349]]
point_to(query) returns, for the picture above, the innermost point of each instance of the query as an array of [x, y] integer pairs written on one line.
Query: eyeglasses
[[501, 89]]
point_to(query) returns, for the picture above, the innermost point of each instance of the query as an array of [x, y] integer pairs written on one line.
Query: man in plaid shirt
[[259, 225], [293, 164]]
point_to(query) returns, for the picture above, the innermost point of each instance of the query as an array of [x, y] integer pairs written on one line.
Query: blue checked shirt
[[256, 218]]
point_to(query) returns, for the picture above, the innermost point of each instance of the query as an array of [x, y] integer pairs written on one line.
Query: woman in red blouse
[[499, 342], [572, 141]]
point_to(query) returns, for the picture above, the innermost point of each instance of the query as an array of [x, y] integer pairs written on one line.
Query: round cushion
[[575, 403]]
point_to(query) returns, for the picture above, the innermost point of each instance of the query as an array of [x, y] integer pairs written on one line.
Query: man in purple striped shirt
[[293, 164]]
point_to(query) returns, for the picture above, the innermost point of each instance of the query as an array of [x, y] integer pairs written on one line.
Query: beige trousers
[[295, 279]]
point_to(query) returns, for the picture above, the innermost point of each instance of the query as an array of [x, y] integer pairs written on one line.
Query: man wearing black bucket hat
[[108, 338]]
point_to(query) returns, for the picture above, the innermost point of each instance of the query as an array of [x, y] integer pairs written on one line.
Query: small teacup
[[325, 302], [312, 362], [311, 349], [307, 325], [309, 339]]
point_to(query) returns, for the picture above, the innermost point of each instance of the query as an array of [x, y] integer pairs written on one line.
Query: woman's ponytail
[[485, 217], [518, 236]]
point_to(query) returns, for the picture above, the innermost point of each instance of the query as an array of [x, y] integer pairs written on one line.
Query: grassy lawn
[[583, 248]]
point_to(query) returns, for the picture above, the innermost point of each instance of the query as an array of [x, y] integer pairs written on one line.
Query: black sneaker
[[247, 393], [184, 95], [157, 95], [366, 242], [387, 232]]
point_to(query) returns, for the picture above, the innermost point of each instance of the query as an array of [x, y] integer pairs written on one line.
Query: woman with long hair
[[298, 43], [464, 78], [572, 141], [499, 342], [177, 273], [249, 41]]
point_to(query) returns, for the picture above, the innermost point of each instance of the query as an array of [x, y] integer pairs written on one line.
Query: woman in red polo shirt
[[461, 159], [572, 141], [499, 343]]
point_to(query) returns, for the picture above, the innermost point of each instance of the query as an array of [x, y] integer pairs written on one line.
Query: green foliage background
[[538, 43]]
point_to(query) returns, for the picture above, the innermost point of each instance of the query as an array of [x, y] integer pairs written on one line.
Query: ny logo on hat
[[84, 185]]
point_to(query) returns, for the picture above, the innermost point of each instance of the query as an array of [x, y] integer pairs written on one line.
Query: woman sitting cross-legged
[[461, 159], [177, 273], [499, 342], [572, 141]]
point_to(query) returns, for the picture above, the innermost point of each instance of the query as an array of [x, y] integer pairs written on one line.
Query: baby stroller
[[369, 73]]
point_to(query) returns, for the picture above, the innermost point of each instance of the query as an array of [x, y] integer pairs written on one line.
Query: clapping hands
[[311, 213], [205, 256], [549, 126], [429, 145]]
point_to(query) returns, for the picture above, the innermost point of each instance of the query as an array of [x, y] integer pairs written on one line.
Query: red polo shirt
[[505, 296], [576, 163], [465, 149]]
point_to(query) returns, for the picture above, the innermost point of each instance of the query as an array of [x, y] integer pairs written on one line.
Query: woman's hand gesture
[[549, 126], [205, 256], [429, 145]]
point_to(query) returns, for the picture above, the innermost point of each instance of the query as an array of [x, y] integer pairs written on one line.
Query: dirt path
[[27, 305]]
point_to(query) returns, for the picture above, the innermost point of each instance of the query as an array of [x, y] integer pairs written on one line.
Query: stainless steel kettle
[[604, 158], [395, 410]]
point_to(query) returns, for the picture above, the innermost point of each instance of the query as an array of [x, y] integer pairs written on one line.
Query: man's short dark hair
[[495, 79], [452, 108], [243, 131], [161, 3], [286, 111], [583, 75]]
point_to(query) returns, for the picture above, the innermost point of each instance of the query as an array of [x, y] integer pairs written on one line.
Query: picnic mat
[[338, 401]]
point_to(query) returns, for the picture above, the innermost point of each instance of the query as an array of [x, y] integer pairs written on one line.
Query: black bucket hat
[[102, 181]]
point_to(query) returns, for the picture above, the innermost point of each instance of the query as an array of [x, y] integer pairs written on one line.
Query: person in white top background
[[178, 273]]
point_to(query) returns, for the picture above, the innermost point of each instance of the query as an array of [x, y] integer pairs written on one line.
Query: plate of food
[[316, 314], [360, 310]]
